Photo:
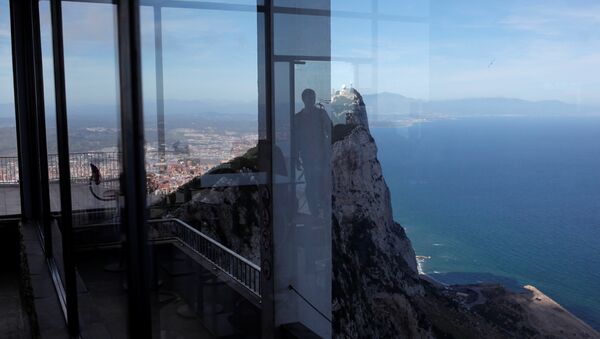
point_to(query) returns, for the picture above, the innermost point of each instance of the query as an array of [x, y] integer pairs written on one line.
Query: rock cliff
[[348, 108], [377, 290]]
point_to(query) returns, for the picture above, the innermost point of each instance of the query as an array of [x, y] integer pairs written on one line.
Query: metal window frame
[[62, 130], [134, 171], [26, 109], [31, 131], [46, 216], [160, 90], [267, 282]]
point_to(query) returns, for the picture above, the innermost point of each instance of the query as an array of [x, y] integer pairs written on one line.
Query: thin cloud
[[553, 20]]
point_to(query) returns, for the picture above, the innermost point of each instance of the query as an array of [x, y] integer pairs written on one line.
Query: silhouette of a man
[[313, 126]]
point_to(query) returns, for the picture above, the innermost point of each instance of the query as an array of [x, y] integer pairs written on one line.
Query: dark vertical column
[[160, 91], [134, 172], [293, 147], [41, 127], [267, 282], [62, 128], [26, 109]]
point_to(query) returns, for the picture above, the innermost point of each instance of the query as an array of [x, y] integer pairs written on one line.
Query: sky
[[436, 49]]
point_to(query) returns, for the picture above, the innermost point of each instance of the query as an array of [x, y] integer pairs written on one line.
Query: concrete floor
[[82, 198], [14, 322], [10, 203], [189, 302]]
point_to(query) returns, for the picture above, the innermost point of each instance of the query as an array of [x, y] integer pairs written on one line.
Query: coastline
[[475, 157], [529, 304]]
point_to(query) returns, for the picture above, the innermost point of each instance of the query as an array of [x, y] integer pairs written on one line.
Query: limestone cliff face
[[377, 291], [374, 266], [348, 108], [360, 193]]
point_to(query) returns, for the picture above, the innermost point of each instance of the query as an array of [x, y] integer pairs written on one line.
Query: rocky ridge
[[377, 289]]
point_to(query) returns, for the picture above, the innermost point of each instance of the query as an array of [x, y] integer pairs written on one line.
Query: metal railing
[[235, 266], [9, 170], [108, 162]]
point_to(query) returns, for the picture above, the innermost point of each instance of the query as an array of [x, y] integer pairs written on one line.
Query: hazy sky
[[535, 50]]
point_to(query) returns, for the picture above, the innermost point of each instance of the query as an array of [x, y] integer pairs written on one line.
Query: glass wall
[[206, 164], [95, 237], [92, 101], [210, 136], [55, 250], [352, 169], [301, 166], [50, 105], [485, 119], [10, 203]]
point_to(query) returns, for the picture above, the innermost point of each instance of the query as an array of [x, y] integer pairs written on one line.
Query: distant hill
[[395, 104], [380, 104]]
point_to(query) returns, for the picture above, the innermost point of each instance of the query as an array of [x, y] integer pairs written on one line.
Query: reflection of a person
[[313, 128]]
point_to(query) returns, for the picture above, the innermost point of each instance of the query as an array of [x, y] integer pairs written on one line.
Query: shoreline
[[404, 122], [537, 307]]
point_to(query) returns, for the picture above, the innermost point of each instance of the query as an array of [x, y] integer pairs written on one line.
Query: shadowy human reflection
[[313, 152]]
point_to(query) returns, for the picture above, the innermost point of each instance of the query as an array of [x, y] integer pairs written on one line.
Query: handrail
[[240, 270], [108, 161], [214, 242], [234, 265]]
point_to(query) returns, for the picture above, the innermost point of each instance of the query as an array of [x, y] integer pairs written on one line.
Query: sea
[[514, 200]]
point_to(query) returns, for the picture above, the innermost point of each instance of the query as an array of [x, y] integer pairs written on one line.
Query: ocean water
[[512, 200]]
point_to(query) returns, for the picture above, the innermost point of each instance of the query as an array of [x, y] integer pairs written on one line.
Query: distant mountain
[[395, 104], [381, 104], [390, 103]]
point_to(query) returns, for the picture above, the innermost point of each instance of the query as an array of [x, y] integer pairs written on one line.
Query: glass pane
[[206, 180], [360, 7], [302, 35], [302, 194], [89, 35], [302, 4], [478, 156], [51, 141], [10, 203], [302, 187], [408, 8], [50, 105]]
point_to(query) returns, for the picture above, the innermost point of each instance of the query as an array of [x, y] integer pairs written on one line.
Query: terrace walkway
[[82, 199], [202, 289]]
